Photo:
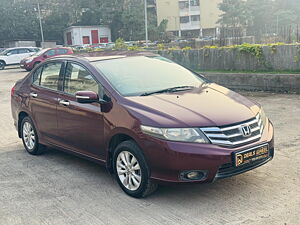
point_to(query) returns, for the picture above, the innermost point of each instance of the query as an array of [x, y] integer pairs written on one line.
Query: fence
[[263, 35], [271, 58]]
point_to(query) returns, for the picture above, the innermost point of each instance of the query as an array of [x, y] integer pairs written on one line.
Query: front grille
[[228, 170], [232, 135]]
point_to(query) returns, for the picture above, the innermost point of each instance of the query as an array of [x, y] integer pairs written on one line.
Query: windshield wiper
[[169, 90]]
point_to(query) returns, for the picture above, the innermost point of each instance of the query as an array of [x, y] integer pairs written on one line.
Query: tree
[[19, 19], [234, 13]]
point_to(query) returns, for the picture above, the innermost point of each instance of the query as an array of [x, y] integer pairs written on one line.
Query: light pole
[[146, 22], [41, 26]]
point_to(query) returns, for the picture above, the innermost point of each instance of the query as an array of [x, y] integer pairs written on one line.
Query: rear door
[[43, 101], [80, 125], [23, 53]]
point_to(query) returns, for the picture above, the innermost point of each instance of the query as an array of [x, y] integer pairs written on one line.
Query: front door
[[12, 57], [80, 125], [44, 100]]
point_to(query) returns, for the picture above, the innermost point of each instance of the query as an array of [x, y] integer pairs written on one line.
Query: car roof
[[101, 57]]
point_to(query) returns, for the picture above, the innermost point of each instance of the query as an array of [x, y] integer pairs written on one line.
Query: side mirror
[[45, 56], [8, 54], [86, 97]]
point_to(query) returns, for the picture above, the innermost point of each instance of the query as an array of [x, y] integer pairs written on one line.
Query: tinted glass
[[23, 50], [61, 51], [50, 75], [50, 52], [40, 52], [79, 79], [137, 75], [13, 52], [36, 76]]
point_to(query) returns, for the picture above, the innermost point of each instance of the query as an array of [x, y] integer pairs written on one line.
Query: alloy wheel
[[128, 170], [28, 135]]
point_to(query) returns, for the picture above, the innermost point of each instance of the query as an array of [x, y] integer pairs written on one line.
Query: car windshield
[[4, 52], [134, 76], [40, 52]]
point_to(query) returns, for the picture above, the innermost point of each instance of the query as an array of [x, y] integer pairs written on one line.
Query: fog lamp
[[193, 175]]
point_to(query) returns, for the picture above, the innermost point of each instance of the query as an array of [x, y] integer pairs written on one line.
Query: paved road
[[57, 188]]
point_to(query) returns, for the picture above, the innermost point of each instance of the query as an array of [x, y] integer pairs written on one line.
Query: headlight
[[176, 134], [263, 117], [28, 61]]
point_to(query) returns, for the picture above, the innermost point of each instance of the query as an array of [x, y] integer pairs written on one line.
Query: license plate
[[251, 155]]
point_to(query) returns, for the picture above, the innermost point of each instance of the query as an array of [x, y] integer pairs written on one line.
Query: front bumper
[[27, 66], [167, 160]]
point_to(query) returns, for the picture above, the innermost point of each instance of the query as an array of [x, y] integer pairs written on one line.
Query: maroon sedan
[[147, 119], [32, 61]]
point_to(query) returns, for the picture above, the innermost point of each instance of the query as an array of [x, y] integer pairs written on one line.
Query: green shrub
[[120, 44]]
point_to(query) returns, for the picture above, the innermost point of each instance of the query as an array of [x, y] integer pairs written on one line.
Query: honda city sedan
[[144, 117]]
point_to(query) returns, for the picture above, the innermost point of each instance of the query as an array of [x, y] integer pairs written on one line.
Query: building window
[[195, 3], [195, 18], [184, 19], [184, 5]]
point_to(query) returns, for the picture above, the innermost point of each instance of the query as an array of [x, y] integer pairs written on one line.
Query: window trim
[[67, 62], [59, 77]]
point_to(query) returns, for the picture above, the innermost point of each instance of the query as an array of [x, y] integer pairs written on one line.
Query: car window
[[61, 51], [50, 75], [36, 78], [79, 79], [12, 52], [50, 52], [33, 49], [23, 50]]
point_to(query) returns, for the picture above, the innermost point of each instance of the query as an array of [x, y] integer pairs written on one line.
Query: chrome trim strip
[[216, 133]]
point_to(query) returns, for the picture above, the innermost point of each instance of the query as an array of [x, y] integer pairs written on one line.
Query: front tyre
[[30, 138], [2, 65], [132, 171]]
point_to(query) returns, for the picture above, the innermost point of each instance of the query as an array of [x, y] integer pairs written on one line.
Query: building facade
[[86, 35], [188, 17]]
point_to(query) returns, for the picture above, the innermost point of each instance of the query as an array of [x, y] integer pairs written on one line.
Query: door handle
[[64, 102], [34, 95]]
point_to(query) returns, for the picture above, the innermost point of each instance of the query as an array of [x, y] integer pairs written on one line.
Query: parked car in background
[[13, 56], [32, 61], [146, 118]]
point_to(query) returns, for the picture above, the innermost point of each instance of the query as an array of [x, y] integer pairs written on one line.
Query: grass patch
[[255, 72]]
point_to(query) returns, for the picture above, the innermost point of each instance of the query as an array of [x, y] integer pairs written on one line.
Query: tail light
[[12, 92]]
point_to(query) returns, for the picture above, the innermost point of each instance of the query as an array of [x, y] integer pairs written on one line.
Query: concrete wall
[[280, 58], [284, 83], [13, 44]]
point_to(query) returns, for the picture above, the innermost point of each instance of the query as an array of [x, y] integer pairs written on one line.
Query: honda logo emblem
[[246, 131]]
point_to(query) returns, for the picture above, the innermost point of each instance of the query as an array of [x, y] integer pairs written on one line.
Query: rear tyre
[[30, 138], [2, 65], [132, 171]]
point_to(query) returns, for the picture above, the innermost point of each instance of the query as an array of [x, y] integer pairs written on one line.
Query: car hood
[[210, 105], [28, 58]]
